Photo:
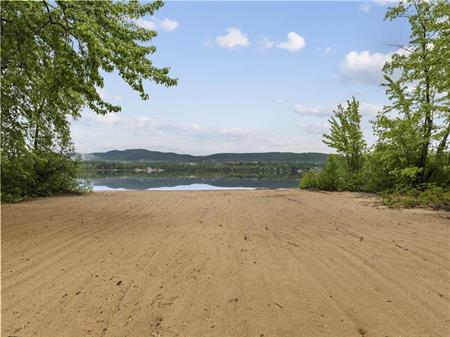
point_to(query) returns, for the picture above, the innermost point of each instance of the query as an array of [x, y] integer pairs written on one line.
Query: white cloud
[[144, 125], [106, 96], [315, 128], [294, 42], [364, 67], [109, 119], [157, 24], [316, 111], [232, 132], [266, 42], [365, 7], [169, 25], [140, 131], [385, 2], [147, 24], [367, 109], [233, 38], [90, 118], [370, 110]]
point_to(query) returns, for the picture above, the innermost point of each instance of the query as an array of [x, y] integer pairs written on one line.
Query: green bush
[[436, 197], [330, 178], [432, 196], [16, 178], [405, 177], [41, 174], [309, 180], [440, 170]]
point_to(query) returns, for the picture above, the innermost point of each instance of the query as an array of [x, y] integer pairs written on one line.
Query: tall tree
[[53, 57], [416, 123], [53, 54], [346, 135]]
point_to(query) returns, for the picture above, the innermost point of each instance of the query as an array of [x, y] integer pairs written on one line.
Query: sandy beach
[[223, 263]]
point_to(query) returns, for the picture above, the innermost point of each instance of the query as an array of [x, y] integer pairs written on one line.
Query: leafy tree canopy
[[418, 86], [346, 135], [411, 156], [53, 54]]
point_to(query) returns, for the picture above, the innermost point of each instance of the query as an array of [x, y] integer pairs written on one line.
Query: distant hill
[[171, 157]]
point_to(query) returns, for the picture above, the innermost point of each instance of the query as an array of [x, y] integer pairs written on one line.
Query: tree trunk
[[36, 136], [428, 123], [443, 143]]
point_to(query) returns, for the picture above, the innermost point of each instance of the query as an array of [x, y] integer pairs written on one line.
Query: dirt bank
[[223, 263]]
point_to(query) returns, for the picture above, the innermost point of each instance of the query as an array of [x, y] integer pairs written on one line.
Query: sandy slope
[[223, 263]]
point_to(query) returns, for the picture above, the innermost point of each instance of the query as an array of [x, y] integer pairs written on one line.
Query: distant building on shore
[[149, 169]]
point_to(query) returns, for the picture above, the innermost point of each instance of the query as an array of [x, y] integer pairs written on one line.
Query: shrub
[[435, 197], [432, 196], [38, 174], [16, 178], [309, 180], [330, 178]]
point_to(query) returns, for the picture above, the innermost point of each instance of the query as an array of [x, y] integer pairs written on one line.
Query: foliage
[[417, 122], [433, 196], [53, 55], [410, 162], [34, 174], [346, 135], [440, 167], [203, 168], [342, 171], [309, 180], [330, 178]]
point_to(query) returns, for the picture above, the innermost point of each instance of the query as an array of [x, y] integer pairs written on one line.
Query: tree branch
[[399, 46], [66, 29]]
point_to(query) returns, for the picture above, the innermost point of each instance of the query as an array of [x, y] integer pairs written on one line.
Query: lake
[[150, 182]]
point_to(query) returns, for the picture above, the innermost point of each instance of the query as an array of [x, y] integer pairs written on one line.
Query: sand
[[223, 263]]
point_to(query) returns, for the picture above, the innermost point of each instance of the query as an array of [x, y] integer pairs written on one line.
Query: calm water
[[148, 182]]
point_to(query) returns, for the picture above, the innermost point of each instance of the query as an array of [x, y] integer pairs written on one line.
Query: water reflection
[[124, 183]]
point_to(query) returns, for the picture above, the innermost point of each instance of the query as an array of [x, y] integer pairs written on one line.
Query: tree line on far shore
[[237, 169], [410, 161]]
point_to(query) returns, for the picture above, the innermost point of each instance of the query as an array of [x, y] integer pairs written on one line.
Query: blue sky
[[253, 77]]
